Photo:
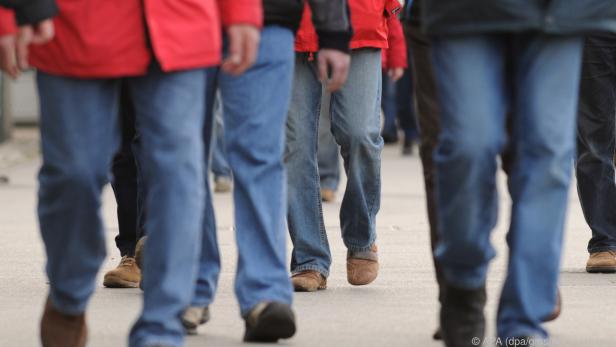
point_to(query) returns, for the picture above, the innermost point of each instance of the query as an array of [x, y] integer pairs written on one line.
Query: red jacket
[[395, 55], [7, 22], [369, 21], [107, 38]]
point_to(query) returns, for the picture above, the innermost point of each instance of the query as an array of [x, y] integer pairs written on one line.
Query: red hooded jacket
[[369, 20], [395, 55], [107, 38]]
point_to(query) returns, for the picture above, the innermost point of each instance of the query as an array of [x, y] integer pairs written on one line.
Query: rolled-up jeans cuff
[[316, 268]]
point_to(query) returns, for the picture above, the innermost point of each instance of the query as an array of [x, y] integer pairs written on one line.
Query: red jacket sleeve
[[7, 22], [396, 53], [241, 12]]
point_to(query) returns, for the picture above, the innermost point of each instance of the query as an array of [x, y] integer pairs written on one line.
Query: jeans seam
[[317, 268], [317, 180], [355, 248]]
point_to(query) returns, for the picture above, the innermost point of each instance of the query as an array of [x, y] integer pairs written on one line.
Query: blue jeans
[[389, 106], [255, 108], [220, 166], [405, 103], [328, 154], [479, 79], [355, 116], [596, 140], [79, 136]]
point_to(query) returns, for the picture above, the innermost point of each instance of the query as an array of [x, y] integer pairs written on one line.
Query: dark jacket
[[31, 11], [452, 17], [330, 18]]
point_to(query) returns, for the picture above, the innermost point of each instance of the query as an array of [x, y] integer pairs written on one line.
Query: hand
[[243, 48], [38, 33], [395, 73], [333, 68], [14, 48], [8, 62]]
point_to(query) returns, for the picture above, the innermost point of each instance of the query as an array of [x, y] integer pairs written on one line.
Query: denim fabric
[[125, 182], [255, 107], [405, 102], [355, 117], [79, 136], [596, 141], [209, 259], [219, 165], [389, 106], [480, 78], [328, 153], [428, 119]]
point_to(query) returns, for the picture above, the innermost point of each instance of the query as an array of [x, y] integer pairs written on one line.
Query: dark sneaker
[[126, 275], [462, 318], [269, 322], [62, 330], [407, 147], [193, 317], [438, 334]]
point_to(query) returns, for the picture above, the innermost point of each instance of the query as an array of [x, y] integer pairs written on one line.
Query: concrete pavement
[[399, 309]]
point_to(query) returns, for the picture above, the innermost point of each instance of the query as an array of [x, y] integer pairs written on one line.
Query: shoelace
[[127, 261]]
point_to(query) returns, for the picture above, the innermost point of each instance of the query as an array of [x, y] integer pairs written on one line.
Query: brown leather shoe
[[601, 262], [126, 275], [62, 330], [328, 195], [557, 309], [362, 267], [308, 281]]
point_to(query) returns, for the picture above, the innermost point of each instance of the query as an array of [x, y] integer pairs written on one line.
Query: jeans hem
[[157, 343], [355, 249], [125, 253], [601, 249], [71, 310], [329, 184], [462, 281], [203, 303], [316, 268]]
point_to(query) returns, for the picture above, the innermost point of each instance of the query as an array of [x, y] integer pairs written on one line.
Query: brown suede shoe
[[601, 262], [126, 275], [308, 281], [362, 267], [328, 195], [62, 330]]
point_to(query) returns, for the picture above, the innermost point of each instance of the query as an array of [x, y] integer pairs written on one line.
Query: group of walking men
[[492, 78]]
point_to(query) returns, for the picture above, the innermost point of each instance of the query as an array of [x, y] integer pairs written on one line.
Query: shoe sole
[[275, 322], [189, 327], [301, 289], [601, 269], [114, 282]]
